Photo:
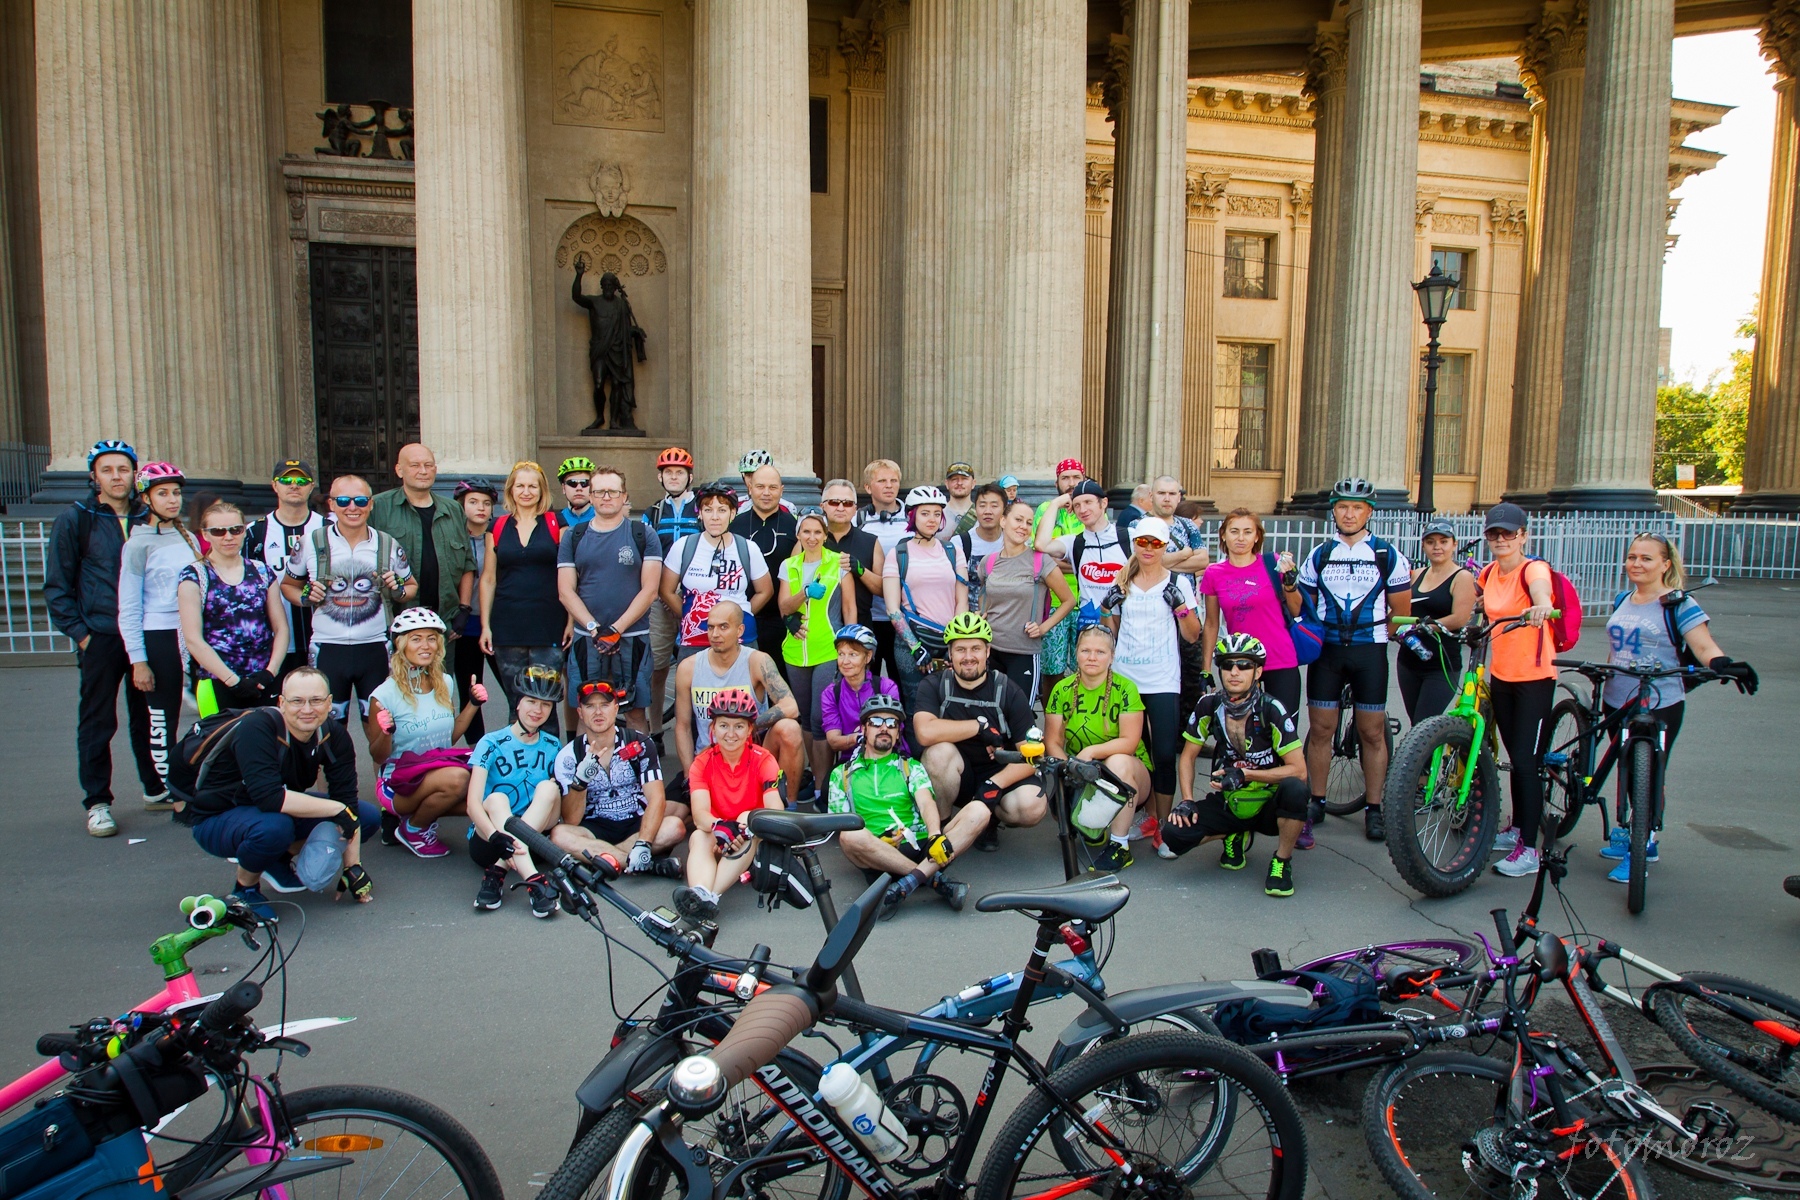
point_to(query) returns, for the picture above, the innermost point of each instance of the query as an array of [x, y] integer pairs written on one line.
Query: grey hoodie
[[149, 567]]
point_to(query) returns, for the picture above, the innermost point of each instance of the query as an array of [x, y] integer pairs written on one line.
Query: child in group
[[511, 775]]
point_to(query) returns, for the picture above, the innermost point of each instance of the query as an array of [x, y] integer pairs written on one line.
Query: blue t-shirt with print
[[1637, 635], [515, 766]]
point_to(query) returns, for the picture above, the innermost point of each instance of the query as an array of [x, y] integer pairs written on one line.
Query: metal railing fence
[[25, 626], [21, 467]]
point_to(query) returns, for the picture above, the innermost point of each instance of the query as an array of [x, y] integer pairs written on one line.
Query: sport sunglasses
[[605, 691], [883, 722], [348, 501], [1238, 664], [293, 480]]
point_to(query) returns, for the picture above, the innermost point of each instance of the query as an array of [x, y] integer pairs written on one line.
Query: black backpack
[[1344, 995], [201, 747]]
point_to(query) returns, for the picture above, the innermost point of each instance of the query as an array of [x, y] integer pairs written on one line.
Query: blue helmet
[[112, 446], [862, 635]]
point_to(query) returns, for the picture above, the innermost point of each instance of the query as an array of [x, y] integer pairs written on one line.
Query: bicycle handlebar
[[769, 1022], [1658, 672], [559, 859], [1081, 769], [232, 1007]]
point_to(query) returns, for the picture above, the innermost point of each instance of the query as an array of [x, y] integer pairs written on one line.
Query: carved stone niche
[[631, 246]]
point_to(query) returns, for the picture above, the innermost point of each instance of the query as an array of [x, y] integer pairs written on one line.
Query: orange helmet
[[674, 456]]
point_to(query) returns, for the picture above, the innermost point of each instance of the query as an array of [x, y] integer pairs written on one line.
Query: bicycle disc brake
[[934, 1113]]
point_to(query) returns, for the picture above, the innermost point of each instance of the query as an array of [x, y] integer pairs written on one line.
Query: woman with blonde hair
[[413, 724], [523, 622], [233, 623]]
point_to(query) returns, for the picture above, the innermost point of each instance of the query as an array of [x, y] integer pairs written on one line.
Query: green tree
[[1705, 426]]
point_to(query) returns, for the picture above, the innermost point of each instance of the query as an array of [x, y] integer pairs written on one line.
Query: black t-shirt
[[427, 566], [263, 762], [860, 545], [997, 698], [775, 537]]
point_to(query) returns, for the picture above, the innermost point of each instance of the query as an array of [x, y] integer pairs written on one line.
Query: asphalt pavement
[[498, 1016]]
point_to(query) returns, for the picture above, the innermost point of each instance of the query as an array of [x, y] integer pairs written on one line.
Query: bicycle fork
[[1477, 744]]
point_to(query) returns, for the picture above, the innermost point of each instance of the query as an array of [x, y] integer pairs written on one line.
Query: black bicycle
[[1066, 783]]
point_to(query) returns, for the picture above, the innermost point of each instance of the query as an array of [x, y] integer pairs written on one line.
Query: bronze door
[[365, 319]]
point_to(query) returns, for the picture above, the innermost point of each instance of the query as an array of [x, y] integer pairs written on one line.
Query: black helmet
[[877, 705], [541, 683]]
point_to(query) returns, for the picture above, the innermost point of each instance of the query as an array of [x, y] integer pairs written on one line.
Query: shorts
[[614, 831], [630, 667], [976, 773], [1056, 654], [360, 668], [662, 636], [1212, 817], [1363, 667]]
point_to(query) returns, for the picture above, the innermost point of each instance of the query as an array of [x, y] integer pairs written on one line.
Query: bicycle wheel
[[1197, 1116], [1643, 812], [1403, 969], [1563, 793], [748, 1123], [1738, 1143], [1188, 1020], [1345, 789], [1430, 1127], [399, 1145], [1437, 845], [1759, 1061]]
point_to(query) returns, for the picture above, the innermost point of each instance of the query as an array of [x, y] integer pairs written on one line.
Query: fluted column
[[1373, 321], [1205, 194], [1552, 64], [1283, 417], [895, 22], [865, 53], [1040, 378], [930, 129], [1148, 290], [1097, 258], [477, 404], [1772, 440], [1325, 85], [1491, 424], [12, 402], [1615, 275]]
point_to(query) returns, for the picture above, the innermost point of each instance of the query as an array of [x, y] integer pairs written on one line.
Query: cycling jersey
[[731, 790], [617, 793], [1091, 715], [1268, 737], [880, 791], [1344, 581], [568, 518]]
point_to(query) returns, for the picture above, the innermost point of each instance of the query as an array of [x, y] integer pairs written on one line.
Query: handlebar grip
[[1010, 757], [1567, 662], [1401, 621], [541, 847], [768, 1023], [53, 1044], [1504, 934], [232, 1007]]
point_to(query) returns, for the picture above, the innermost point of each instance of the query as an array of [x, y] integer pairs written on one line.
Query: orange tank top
[[1524, 653]]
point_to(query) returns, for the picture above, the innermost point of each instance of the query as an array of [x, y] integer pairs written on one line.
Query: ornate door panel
[[365, 320]]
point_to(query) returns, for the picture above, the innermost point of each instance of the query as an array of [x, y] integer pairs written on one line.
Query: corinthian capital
[[1781, 38], [1115, 82], [1099, 178], [1326, 61], [1558, 42], [865, 53], [1204, 188]]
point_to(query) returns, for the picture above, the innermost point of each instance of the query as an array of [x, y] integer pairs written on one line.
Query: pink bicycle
[[130, 1118]]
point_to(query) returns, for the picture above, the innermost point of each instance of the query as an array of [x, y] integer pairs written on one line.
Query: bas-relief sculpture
[[608, 68]]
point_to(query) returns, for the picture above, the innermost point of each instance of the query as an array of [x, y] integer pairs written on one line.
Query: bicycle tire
[[1468, 841], [1345, 789], [1775, 1086], [1447, 1123], [1643, 813], [1563, 803], [430, 1125], [1760, 1154], [1120, 1069]]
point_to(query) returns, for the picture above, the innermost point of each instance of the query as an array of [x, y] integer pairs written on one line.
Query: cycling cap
[[880, 703], [753, 460], [111, 446], [1087, 487], [715, 491], [151, 474], [470, 487], [1241, 645], [926, 494], [862, 635], [1070, 464], [1509, 517], [1008, 481], [571, 466], [541, 683], [1438, 529], [1354, 488], [968, 625], [1154, 527], [674, 456], [416, 618], [732, 702], [959, 468]]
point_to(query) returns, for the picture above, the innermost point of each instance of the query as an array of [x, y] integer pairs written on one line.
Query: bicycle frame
[[1472, 706], [1636, 720]]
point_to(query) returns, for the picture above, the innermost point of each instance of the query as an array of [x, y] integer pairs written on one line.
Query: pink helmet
[[153, 473]]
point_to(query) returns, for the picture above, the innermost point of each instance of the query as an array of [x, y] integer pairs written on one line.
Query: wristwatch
[[592, 628]]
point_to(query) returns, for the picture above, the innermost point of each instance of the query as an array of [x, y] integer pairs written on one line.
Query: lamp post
[[1434, 292]]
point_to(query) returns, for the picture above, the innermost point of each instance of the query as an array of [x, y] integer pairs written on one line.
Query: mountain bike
[[1346, 790], [127, 1121], [1443, 792]]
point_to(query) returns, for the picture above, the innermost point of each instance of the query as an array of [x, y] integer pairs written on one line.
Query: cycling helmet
[[416, 618], [151, 474], [111, 446], [1241, 645], [880, 703], [754, 459], [571, 466], [968, 625], [862, 635], [926, 494], [471, 487], [541, 683], [733, 702], [715, 491], [674, 456], [1353, 488]]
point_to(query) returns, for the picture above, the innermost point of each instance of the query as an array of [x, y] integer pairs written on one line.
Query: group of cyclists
[[870, 654]]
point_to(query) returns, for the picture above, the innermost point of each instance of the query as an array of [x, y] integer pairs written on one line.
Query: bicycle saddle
[[793, 828], [1093, 899]]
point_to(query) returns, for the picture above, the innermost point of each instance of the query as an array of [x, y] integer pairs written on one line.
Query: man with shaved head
[[1187, 549], [430, 529]]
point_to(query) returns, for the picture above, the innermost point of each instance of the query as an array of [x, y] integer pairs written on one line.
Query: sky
[[1711, 278]]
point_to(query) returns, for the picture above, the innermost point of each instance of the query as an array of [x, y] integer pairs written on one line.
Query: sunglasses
[[349, 501], [883, 722], [1146, 542], [577, 483], [224, 531], [543, 674], [1503, 535], [293, 480], [605, 691], [838, 503], [1238, 664]]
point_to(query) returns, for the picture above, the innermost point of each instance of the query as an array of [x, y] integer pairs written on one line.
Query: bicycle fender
[[644, 1054], [248, 1181], [1141, 1003]]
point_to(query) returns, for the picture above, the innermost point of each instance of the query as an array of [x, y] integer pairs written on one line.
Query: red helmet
[[153, 473], [674, 456], [732, 702]]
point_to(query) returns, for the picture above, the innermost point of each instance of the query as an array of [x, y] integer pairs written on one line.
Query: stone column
[[1552, 64], [477, 403], [1325, 85], [1772, 441], [1615, 274], [1148, 289], [896, 30], [1097, 259], [1205, 194], [1374, 320], [1283, 418], [865, 55], [1040, 376], [753, 232], [925, 402], [1507, 226], [12, 402]]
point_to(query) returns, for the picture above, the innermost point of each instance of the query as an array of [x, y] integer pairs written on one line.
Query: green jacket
[[393, 516]]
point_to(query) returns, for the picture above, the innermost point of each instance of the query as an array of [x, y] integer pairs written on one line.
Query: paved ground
[[498, 1017]]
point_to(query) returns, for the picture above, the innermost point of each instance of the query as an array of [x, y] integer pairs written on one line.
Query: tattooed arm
[[775, 690]]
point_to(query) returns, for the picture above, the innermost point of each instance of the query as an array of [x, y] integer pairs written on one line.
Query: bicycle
[[1346, 790], [1443, 784], [1065, 783], [124, 1122]]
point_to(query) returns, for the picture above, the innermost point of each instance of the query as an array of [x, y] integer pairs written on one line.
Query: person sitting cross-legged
[[902, 832], [729, 779], [511, 774], [613, 802], [1259, 768]]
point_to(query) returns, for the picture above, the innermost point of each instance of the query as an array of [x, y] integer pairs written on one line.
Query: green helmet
[[968, 625], [575, 465], [1241, 645]]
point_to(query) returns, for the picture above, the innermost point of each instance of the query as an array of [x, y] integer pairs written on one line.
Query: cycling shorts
[[1364, 667], [620, 833], [1212, 816]]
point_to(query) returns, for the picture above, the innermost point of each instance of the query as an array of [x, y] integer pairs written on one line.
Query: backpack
[[929, 632], [1344, 995], [550, 520], [1305, 631], [1565, 630], [384, 556], [640, 537], [195, 754], [1384, 567], [978, 601]]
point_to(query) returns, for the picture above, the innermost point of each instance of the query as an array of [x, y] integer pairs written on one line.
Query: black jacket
[[81, 576], [263, 763]]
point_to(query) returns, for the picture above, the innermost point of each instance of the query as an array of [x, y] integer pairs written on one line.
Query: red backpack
[[549, 520], [1565, 630]]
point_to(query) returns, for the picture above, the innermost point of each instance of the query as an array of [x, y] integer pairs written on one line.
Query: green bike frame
[[1472, 706]]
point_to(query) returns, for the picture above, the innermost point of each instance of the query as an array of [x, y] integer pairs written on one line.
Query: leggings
[[1283, 683], [1522, 715], [808, 685], [162, 652], [1022, 669], [1426, 693], [1162, 720]]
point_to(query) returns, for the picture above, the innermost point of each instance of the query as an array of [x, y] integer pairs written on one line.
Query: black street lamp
[[1434, 292]]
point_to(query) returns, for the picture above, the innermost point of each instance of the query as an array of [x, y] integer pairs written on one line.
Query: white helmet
[[926, 494], [754, 460], [416, 618]]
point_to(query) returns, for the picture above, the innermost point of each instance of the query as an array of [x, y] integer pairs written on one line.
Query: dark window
[[1509, 91], [368, 52], [1449, 413], [1241, 406], [1460, 263], [1247, 266], [820, 126]]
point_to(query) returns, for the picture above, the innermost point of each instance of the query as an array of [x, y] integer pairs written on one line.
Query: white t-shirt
[[1102, 557], [715, 574], [1149, 652], [420, 722], [351, 614], [1349, 590]]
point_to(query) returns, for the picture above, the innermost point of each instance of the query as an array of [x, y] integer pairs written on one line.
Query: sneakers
[[1113, 858], [100, 821], [543, 896], [1374, 824], [1305, 840], [1315, 809], [1146, 828], [1237, 847], [1162, 847], [161, 802], [1522, 861], [954, 892], [1622, 872], [1507, 840], [493, 889], [390, 829], [282, 878], [1618, 843], [665, 867], [695, 904], [422, 842], [1281, 878], [988, 840], [252, 898]]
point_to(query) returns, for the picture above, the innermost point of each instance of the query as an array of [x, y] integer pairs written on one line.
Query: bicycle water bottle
[[856, 1102]]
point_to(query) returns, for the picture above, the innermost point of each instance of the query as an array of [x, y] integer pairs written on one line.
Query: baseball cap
[[1509, 517], [959, 468], [1154, 527], [322, 857], [1008, 481], [1435, 528], [1088, 487], [292, 466]]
